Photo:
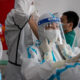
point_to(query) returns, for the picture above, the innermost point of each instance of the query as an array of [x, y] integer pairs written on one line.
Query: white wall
[[58, 6]]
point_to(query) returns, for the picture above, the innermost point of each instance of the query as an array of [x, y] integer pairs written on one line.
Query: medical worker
[[18, 33], [43, 56], [69, 21]]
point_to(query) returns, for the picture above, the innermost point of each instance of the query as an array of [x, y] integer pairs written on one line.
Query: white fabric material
[[77, 30], [71, 73], [23, 5], [1, 49], [26, 6], [13, 72], [21, 15], [46, 51], [65, 50], [76, 51], [12, 32], [37, 70], [32, 66], [33, 69], [50, 49]]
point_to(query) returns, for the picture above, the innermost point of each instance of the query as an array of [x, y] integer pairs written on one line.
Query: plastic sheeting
[[77, 30]]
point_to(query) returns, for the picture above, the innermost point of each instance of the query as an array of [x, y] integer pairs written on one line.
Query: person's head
[[48, 27], [69, 20]]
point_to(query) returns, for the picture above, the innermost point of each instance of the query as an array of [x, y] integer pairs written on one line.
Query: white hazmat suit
[[18, 36], [38, 67], [36, 64]]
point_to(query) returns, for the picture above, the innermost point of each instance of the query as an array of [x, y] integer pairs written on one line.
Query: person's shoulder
[[70, 34]]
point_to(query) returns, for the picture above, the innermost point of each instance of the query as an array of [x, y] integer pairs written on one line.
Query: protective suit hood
[[44, 20], [25, 6]]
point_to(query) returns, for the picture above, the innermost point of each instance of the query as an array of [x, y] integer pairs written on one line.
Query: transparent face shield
[[60, 27], [48, 22]]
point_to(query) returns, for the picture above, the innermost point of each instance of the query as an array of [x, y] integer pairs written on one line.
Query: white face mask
[[51, 35]]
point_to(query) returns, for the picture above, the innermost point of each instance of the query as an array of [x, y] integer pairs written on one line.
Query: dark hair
[[72, 17]]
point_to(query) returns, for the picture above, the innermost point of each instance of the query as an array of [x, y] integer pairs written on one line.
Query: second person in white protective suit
[[19, 31], [43, 56], [18, 34]]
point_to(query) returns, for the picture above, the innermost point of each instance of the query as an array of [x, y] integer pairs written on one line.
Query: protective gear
[[18, 37], [33, 62], [12, 69], [39, 69], [65, 50], [40, 65], [22, 5], [25, 6], [46, 50], [44, 20], [61, 35], [51, 35], [32, 9], [77, 38]]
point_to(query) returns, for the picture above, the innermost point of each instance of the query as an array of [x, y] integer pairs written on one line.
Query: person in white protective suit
[[18, 34], [43, 57]]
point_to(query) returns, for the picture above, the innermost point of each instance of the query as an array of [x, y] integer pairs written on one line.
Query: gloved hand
[[65, 49], [59, 64], [74, 59], [46, 49], [45, 46]]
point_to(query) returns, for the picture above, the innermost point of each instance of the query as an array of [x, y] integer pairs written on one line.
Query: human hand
[[44, 47], [59, 64]]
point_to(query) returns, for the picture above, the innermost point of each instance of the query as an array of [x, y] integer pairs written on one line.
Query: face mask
[[51, 35]]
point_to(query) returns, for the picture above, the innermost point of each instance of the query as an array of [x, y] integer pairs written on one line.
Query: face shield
[[47, 20], [60, 26]]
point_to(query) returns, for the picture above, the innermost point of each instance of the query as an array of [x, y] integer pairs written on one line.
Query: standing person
[[69, 21], [18, 36], [20, 27]]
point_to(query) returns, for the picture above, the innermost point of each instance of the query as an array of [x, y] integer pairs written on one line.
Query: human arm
[[34, 26], [32, 70], [46, 49]]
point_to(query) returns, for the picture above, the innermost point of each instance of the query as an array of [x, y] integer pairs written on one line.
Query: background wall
[[58, 6]]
